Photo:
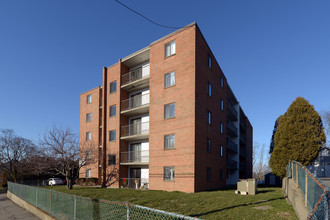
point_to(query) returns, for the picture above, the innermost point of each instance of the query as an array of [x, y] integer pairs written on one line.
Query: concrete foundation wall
[[295, 198], [34, 210]]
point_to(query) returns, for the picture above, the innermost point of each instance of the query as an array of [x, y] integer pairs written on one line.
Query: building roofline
[[135, 53], [98, 87], [174, 32], [154, 42]]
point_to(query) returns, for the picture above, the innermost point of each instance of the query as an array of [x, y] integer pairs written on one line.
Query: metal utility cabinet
[[246, 187]]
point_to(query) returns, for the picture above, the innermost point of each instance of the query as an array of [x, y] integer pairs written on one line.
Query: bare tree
[[260, 161], [326, 124], [62, 153], [16, 155]]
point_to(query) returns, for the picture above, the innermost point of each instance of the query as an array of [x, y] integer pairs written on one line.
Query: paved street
[[11, 211], [326, 181]]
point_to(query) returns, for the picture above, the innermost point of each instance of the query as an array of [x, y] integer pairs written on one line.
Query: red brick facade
[[194, 165]]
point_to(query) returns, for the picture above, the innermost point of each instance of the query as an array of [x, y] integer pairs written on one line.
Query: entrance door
[[135, 126], [136, 100], [135, 173], [135, 152]]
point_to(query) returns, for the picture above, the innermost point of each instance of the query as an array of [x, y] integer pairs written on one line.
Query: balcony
[[135, 158], [134, 183], [136, 79], [242, 166], [231, 146], [242, 138], [242, 152], [232, 164], [242, 124], [231, 112], [138, 104], [137, 131], [231, 129]]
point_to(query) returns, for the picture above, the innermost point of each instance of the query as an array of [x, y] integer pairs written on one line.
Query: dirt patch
[[263, 207], [284, 214]]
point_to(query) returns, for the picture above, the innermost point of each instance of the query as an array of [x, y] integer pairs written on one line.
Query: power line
[[164, 26]]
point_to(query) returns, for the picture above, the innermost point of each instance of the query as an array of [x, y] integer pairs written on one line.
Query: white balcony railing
[[141, 156], [135, 102], [135, 129], [134, 75]]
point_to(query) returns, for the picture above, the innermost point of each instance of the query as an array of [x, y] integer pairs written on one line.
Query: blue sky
[[51, 51]]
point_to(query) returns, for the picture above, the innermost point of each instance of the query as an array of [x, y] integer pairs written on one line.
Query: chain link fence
[[64, 206], [316, 194]]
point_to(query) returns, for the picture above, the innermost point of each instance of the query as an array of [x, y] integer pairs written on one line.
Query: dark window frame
[[112, 159], [111, 112], [168, 106], [113, 87], [111, 137]]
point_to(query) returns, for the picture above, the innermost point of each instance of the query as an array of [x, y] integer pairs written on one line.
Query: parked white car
[[54, 181]]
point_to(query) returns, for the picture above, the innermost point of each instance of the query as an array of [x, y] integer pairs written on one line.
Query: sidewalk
[[11, 211]]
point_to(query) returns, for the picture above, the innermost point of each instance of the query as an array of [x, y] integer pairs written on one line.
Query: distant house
[[272, 180], [321, 165]]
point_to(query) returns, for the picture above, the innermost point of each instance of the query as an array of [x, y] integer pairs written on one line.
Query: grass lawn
[[269, 203]]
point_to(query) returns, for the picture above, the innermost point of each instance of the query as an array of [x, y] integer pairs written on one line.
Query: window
[[209, 117], [170, 49], [221, 128], [221, 104], [220, 174], [113, 87], [89, 99], [169, 141], [88, 173], [208, 174], [88, 154], [169, 173], [209, 88], [112, 135], [221, 82], [169, 111], [112, 110], [209, 61], [221, 151], [208, 145], [112, 159], [88, 117], [169, 79], [88, 136]]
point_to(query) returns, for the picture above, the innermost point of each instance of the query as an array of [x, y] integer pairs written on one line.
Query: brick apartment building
[[165, 118]]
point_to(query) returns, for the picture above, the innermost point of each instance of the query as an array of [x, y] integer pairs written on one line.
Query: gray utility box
[[246, 187]]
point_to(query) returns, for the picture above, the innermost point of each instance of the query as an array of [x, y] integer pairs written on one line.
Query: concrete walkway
[[295, 197], [11, 211], [325, 181]]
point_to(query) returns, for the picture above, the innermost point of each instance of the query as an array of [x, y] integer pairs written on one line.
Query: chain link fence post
[[75, 207], [306, 189], [37, 197], [128, 211], [297, 176]]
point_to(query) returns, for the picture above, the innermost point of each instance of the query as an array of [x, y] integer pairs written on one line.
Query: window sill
[[169, 148], [170, 55], [169, 118], [169, 180], [169, 86]]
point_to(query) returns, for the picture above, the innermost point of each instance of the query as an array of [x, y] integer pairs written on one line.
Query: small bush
[[87, 181]]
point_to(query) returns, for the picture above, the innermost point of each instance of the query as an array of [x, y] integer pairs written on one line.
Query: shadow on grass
[[266, 191], [235, 206]]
